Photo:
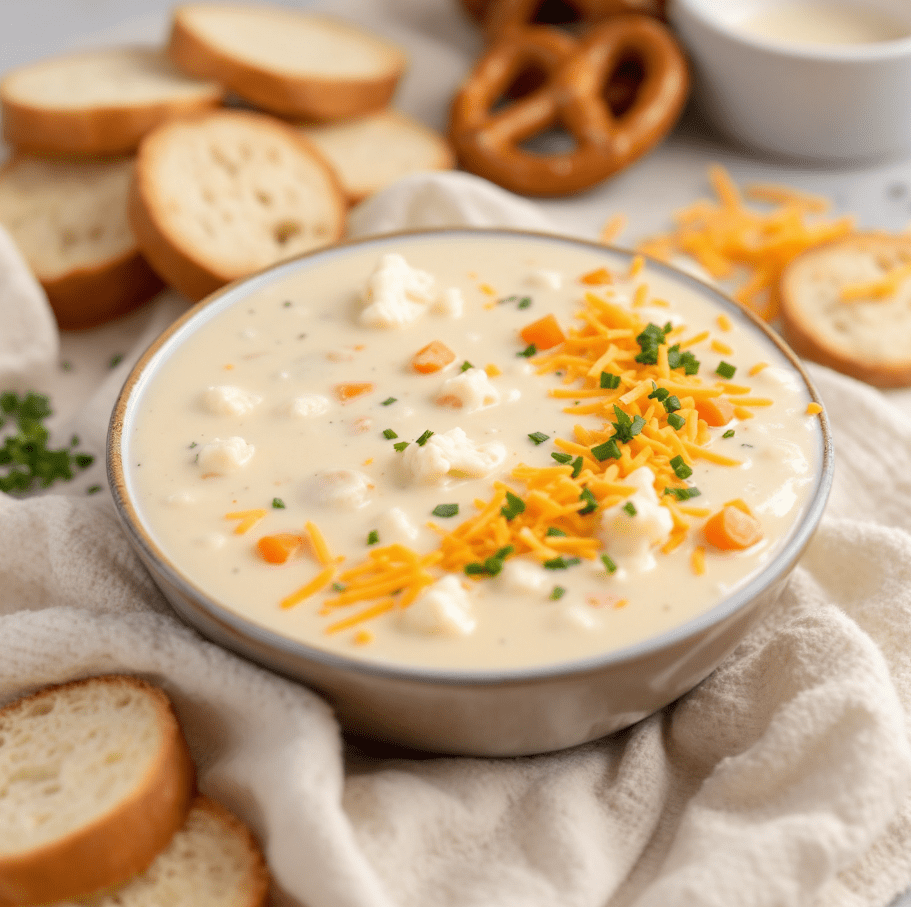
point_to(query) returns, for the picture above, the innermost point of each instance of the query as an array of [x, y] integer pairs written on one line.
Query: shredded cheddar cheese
[[248, 519], [883, 288]]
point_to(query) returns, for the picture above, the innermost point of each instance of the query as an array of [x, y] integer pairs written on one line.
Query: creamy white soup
[[472, 453]]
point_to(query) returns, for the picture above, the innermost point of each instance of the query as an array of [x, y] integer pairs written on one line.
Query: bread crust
[[116, 846], [178, 263], [100, 129], [803, 331], [285, 94]]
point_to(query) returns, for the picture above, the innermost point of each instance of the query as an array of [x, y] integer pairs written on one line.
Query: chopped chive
[[677, 358], [683, 494], [513, 507], [83, 461], [465, 366], [474, 569], [659, 393], [676, 421], [373, 537], [729, 433], [671, 403], [524, 302], [725, 369], [93, 489], [609, 565], [557, 593], [538, 437], [561, 457], [609, 450], [553, 530], [560, 563], [529, 351], [610, 381], [629, 508], [424, 438], [400, 445], [626, 428], [389, 434], [337, 587], [681, 469], [577, 467], [278, 504], [492, 565], [388, 401], [445, 510], [649, 341], [115, 360], [591, 502]]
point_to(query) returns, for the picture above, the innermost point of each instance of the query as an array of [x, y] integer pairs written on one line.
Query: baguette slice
[[95, 779], [847, 305], [69, 220], [226, 194], [97, 102], [372, 152], [213, 861], [291, 63]]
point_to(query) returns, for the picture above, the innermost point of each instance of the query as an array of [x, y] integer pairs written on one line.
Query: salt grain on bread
[[285, 61], [370, 153], [97, 102], [95, 779], [69, 221], [212, 861], [225, 194], [847, 305]]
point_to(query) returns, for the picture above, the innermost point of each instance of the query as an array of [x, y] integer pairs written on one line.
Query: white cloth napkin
[[783, 779]]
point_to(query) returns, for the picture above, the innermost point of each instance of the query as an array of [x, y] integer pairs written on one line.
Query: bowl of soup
[[489, 492], [815, 80]]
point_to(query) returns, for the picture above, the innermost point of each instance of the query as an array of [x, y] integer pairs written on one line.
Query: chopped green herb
[[286, 304], [400, 445], [474, 569], [373, 537], [681, 470], [610, 381], [529, 351], [726, 370], [278, 503], [424, 438], [557, 593], [671, 403], [676, 421], [626, 428], [115, 360], [629, 508], [389, 434], [524, 302], [683, 494], [66, 365], [676, 358], [609, 450], [93, 489], [649, 341], [491, 565], [337, 587], [560, 563], [591, 502], [465, 366], [513, 507], [577, 467], [193, 444], [729, 433], [561, 457], [553, 530], [659, 393], [388, 401], [538, 437], [445, 510], [609, 565]]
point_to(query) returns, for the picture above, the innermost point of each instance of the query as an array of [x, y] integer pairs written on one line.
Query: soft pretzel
[[487, 132]]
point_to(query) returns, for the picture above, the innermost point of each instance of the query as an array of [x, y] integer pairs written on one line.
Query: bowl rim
[[848, 54], [245, 635]]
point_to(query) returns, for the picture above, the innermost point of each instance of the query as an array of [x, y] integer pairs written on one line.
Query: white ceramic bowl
[[807, 99], [491, 710]]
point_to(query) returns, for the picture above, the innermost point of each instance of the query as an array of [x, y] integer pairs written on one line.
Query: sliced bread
[[97, 102], [371, 152], [69, 220], [213, 861], [225, 194], [847, 305], [288, 62], [95, 779]]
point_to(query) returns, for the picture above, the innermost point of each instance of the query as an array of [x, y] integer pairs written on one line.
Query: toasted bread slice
[[213, 861], [285, 61], [97, 102], [847, 305], [370, 153], [225, 194], [69, 220], [95, 779]]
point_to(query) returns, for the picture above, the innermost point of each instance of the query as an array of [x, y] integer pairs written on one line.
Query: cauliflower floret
[[520, 574], [632, 535], [394, 526], [454, 454], [469, 390], [443, 608], [396, 294], [221, 457], [346, 488], [546, 279], [450, 302], [309, 405], [225, 400]]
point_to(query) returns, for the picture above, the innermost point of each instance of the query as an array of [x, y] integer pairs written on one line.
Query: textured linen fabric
[[783, 779]]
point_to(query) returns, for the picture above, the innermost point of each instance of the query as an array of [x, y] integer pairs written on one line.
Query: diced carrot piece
[[715, 411], [543, 333], [276, 549], [432, 358], [597, 277], [346, 392], [732, 528]]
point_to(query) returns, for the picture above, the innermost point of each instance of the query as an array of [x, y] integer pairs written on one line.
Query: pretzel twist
[[488, 134]]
